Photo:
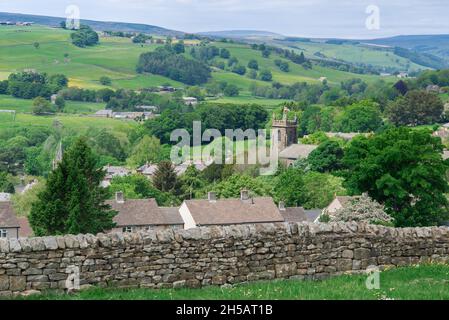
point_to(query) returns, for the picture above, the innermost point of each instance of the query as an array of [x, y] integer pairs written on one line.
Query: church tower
[[286, 131]]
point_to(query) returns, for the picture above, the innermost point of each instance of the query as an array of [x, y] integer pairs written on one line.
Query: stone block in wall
[[285, 270], [17, 283], [344, 264], [4, 245], [4, 282], [50, 243], [14, 245], [362, 253]]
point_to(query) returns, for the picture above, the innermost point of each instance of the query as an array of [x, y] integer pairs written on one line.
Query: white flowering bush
[[363, 209]]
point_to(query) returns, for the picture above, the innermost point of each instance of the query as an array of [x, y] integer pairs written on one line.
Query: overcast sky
[[311, 18]]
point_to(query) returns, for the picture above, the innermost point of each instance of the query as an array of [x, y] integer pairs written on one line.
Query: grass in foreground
[[424, 282]]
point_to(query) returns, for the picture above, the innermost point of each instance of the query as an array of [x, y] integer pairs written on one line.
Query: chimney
[[119, 197], [212, 196], [281, 205], [244, 195]]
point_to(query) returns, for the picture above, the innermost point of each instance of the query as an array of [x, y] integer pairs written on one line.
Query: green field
[[25, 105], [117, 59], [426, 282], [297, 73], [77, 123], [353, 53]]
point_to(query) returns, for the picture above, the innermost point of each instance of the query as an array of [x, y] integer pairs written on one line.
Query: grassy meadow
[[26, 105], [354, 53], [424, 282], [117, 58], [76, 123]]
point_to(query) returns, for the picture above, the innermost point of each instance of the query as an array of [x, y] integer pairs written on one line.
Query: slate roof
[[8, 218], [143, 213], [297, 151], [294, 214], [313, 214], [234, 211]]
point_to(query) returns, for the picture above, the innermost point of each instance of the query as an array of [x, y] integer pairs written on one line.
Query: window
[[127, 229], [3, 233]]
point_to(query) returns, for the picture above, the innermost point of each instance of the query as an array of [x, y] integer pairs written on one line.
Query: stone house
[[112, 172], [147, 170], [103, 113], [9, 224], [143, 214], [220, 212], [190, 101]]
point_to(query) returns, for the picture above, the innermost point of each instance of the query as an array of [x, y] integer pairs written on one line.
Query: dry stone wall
[[213, 255]]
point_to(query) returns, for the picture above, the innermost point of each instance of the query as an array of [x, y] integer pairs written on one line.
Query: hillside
[[97, 25], [241, 34], [117, 58], [437, 45]]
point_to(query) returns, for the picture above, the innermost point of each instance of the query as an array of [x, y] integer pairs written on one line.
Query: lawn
[[425, 282], [26, 105]]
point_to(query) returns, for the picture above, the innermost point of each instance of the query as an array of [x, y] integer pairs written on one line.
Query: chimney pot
[[282, 205], [212, 196], [119, 197], [244, 195]]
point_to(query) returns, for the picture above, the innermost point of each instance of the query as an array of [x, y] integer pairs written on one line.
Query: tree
[[224, 53], [363, 209], [36, 45], [403, 169], [179, 47], [5, 184], [85, 36], [266, 75], [147, 150], [165, 178], [174, 66], [106, 81], [231, 186], [231, 90], [320, 189], [139, 187], [42, 106], [266, 53], [327, 157], [289, 187], [73, 201], [23, 202], [60, 103], [363, 116], [253, 64], [418, 107], [239, 69], [191, 182]]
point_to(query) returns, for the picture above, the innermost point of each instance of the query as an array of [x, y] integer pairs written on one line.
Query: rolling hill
[[117, 58], [97, 25], [241, 34]]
